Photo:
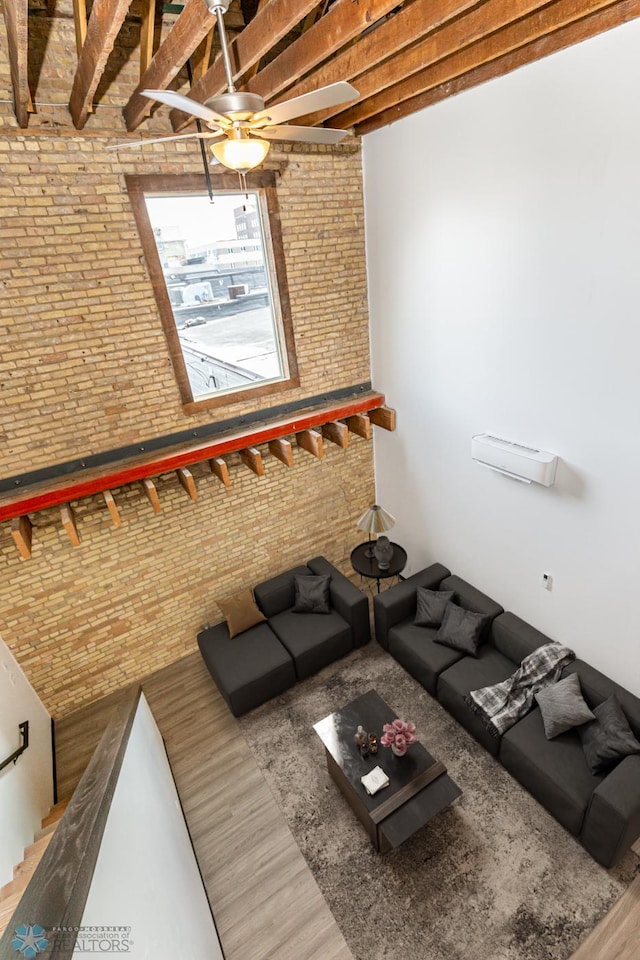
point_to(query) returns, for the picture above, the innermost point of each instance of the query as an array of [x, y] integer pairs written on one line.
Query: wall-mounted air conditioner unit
[[514, 460]]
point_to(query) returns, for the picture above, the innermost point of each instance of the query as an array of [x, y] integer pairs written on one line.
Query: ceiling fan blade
[[134, 144], [303, 134], [192, 107], [331, 96]]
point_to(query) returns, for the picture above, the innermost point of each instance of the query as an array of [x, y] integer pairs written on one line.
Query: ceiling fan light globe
[[241, 155]]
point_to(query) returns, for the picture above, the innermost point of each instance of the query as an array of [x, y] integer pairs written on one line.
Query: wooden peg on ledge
[[337, 433], [22, 532], [360, 424], [68, 518], [113, 507], [311, 441], [282, 450], [188, 483], [221, 470], [252, 458], [383, 417], [152, 494]]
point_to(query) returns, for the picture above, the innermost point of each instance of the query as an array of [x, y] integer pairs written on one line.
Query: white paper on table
[[375, 780]]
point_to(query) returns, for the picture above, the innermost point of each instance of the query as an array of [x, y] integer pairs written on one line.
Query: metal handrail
[[24, 732]]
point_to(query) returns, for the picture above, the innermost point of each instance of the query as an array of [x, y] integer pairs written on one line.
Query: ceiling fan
[[238, 121]]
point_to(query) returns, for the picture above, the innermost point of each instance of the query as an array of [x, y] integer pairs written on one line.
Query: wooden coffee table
[[419, 787]]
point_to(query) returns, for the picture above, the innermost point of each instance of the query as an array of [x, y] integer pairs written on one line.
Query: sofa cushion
[[413, 647], [240, 612], [596, 687], [279, 593], [489, 667], [313, 641], [562, 706], [471, 599], [609, 738], [555, 771], [248, 669], [312, 594], [430, 606], [515, 638], [461, 629]]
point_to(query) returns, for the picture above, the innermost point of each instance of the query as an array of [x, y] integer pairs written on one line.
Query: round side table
[[368, 566]]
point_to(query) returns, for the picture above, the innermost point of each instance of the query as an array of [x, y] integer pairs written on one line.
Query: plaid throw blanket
[[502, 704]]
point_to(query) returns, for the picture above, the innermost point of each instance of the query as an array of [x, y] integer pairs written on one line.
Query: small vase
[[398, 751], [383, 552]]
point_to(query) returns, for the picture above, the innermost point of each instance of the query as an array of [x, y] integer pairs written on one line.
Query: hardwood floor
[[265, 900]]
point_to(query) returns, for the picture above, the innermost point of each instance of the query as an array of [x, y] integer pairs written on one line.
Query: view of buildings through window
[[221, 289]]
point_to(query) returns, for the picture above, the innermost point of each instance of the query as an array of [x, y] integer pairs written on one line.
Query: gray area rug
[[494, 877]]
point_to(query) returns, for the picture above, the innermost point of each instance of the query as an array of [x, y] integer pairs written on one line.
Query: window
[[217, 270]]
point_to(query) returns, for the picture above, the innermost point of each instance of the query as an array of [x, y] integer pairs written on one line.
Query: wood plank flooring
[[265, 900]]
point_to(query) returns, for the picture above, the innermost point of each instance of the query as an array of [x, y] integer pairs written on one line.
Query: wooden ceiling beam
[[103, 27], [344, 21], [568, 36], [430, 64], [270, 24], [16, 14], [433, 49], [191, 27], [147, 33], [413, 21], [22, 533], [112, 506], [201, 56], [282, 450], [80, 24]]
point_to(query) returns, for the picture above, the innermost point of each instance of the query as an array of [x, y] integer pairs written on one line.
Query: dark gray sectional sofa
[[267, 659], [602, 811]]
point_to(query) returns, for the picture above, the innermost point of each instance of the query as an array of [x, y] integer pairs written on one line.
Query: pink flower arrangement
[[399, 735]]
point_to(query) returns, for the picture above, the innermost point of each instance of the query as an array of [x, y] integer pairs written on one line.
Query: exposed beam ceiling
[[401, 56], [104, 24], [270, 24], [15, 18]]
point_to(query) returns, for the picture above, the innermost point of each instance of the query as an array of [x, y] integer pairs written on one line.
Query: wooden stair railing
[[56, 893]]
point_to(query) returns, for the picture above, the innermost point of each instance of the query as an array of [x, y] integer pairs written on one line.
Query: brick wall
[[85, 368]]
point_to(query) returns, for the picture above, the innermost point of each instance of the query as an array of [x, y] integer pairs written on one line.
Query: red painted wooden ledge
[[95, 480]]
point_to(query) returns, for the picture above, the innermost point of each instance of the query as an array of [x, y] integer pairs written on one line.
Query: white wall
[[26, 787], [146, 876], [503, 244]]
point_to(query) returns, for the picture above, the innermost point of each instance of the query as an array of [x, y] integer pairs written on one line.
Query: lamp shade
[[242, 153], [375, 520]]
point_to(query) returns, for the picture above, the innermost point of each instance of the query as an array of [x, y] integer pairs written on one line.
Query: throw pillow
[[312, 594], [241, 612], [609, 738], [430, 606], [562, 706], [461, 629]]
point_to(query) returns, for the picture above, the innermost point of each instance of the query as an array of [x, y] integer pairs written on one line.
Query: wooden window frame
[[263, 181]]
